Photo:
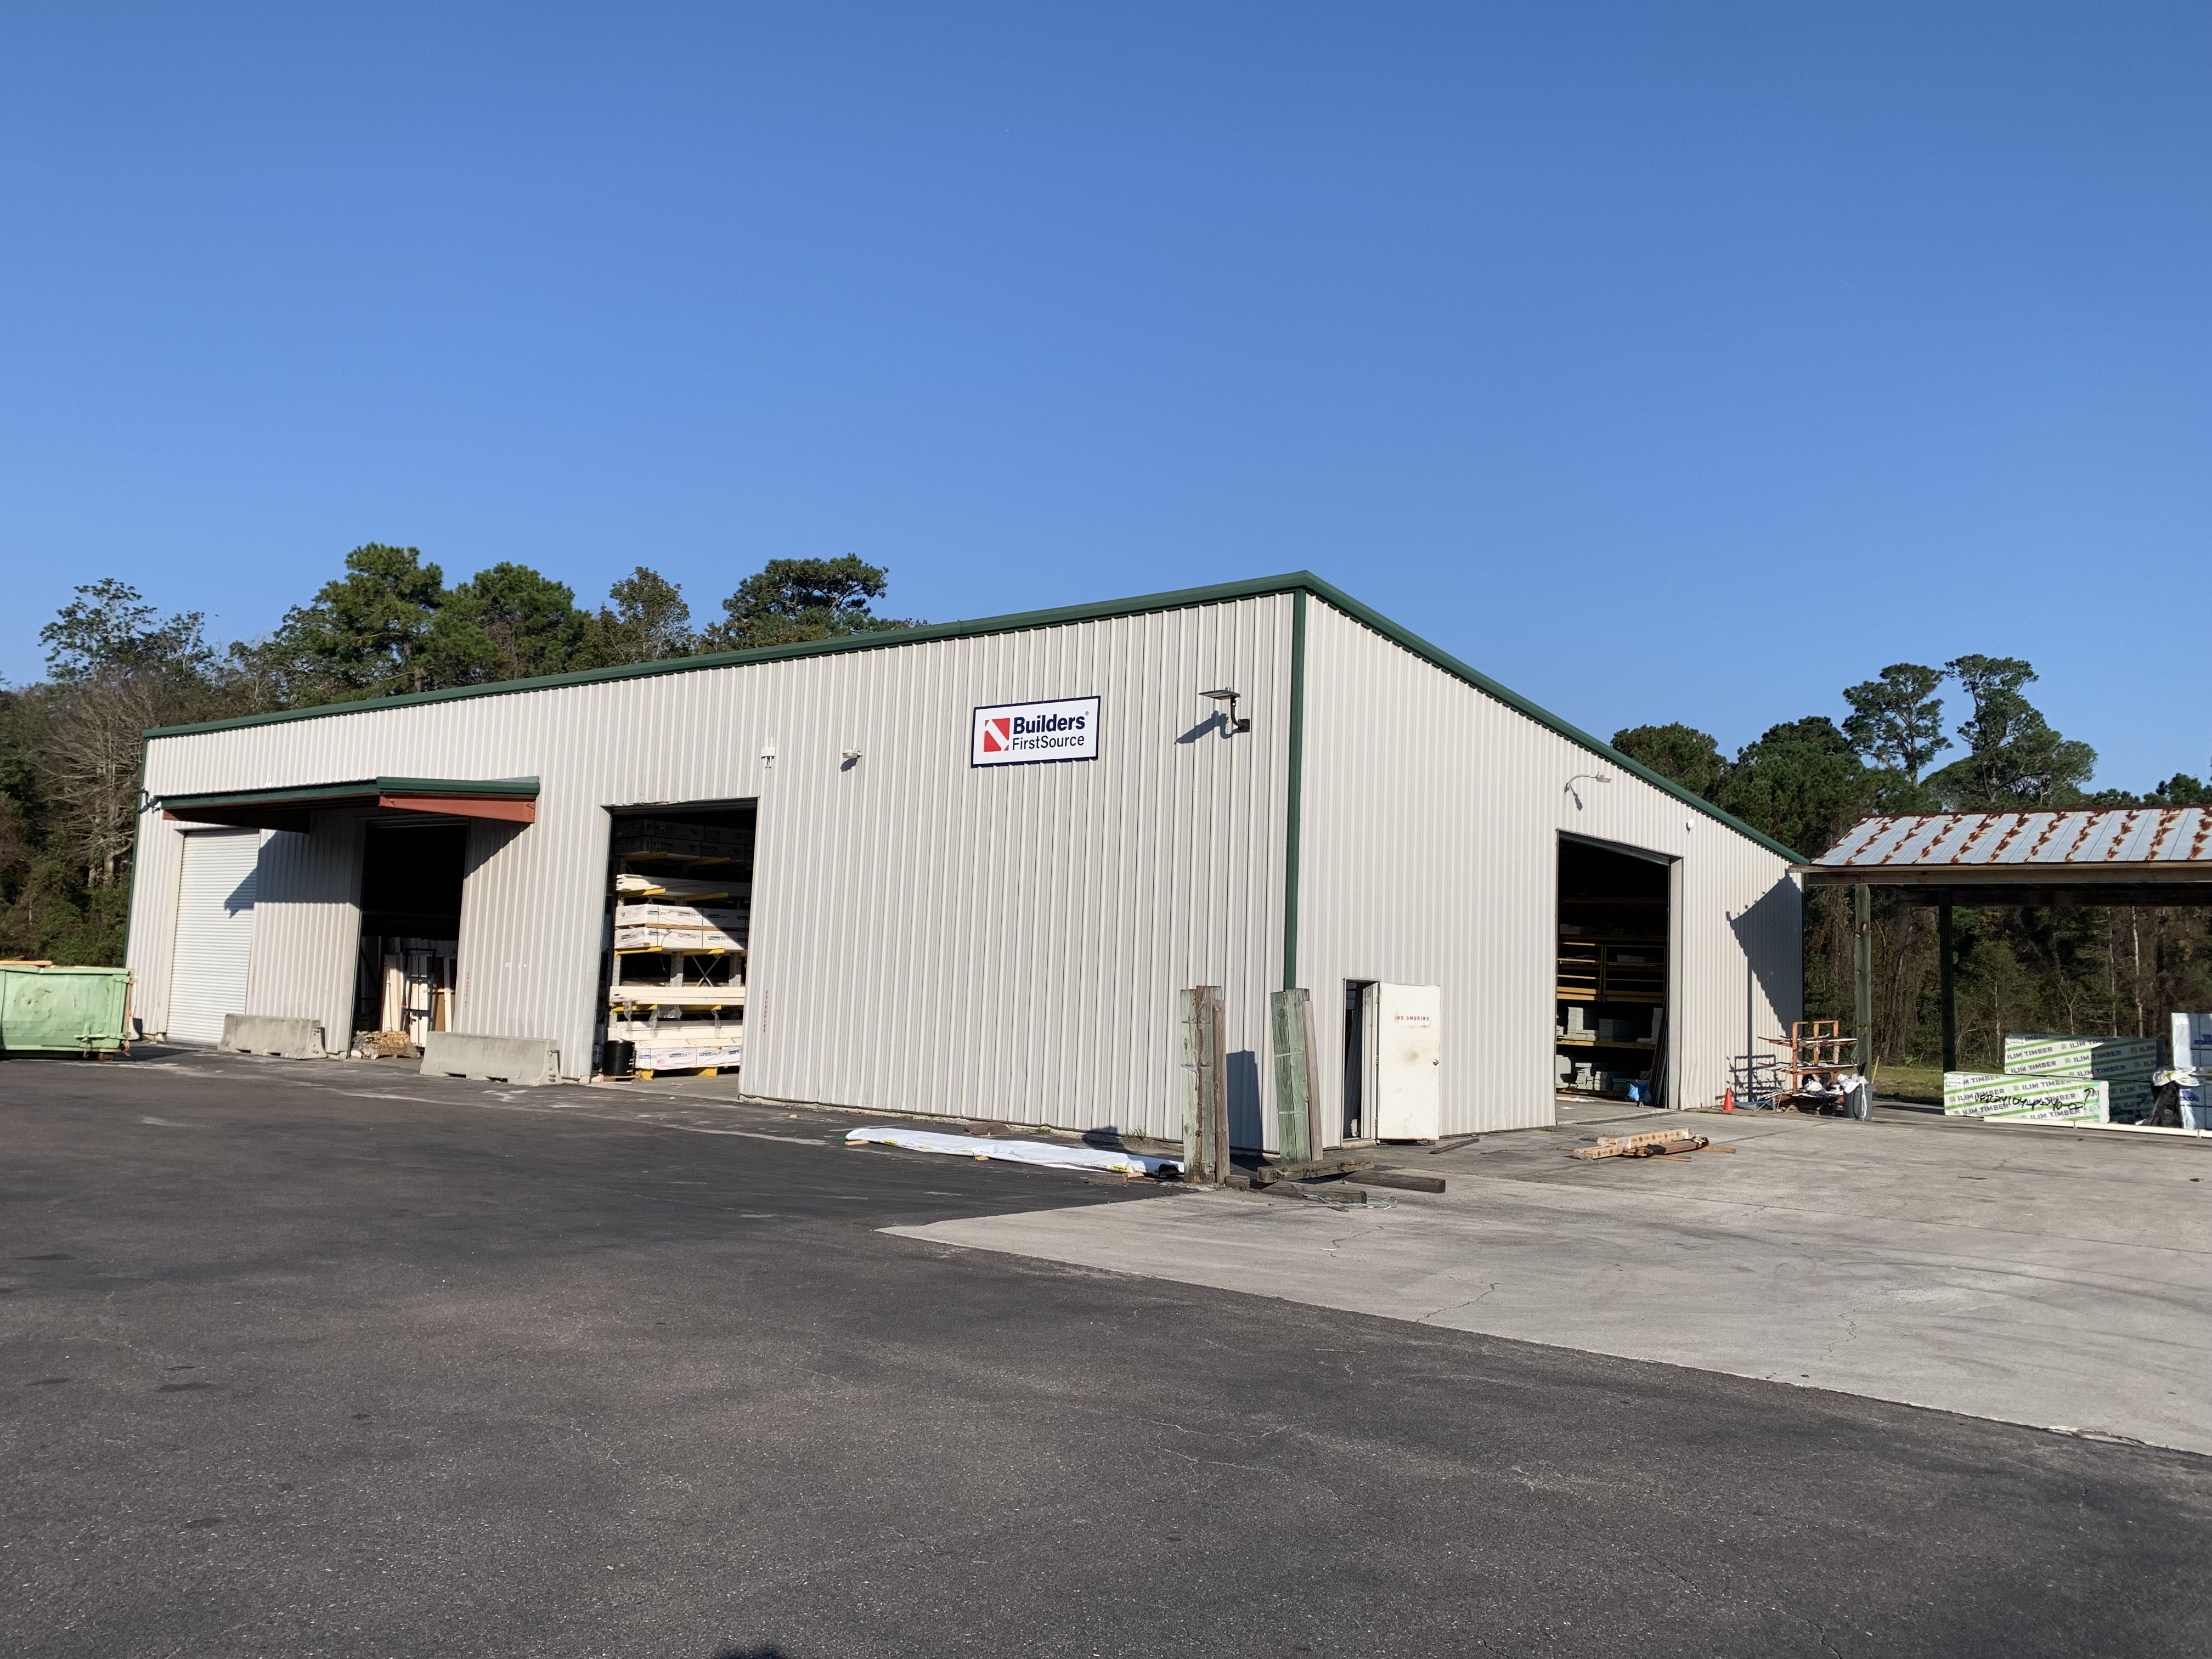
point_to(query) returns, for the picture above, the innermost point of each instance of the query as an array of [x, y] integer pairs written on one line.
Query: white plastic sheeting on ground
[[1015, 1152]]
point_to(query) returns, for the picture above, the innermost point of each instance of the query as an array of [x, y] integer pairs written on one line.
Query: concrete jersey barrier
[[493, 1058], [272, 1033]]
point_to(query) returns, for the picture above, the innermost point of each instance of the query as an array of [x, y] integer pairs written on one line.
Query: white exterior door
[[215, 931], [1405, 1064]]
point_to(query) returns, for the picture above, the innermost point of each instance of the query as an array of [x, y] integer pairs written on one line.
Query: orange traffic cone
[[1727, 1098]]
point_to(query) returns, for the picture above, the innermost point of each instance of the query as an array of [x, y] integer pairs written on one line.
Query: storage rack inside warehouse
[[1610, 1024], [410, 927], [679, 907]]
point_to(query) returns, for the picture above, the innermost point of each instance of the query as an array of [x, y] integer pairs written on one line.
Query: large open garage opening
[[410, 931], [1615, 922], [679, 910]]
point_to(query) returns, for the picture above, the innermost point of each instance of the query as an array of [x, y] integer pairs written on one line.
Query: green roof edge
[[457, 786], [1179, 599]]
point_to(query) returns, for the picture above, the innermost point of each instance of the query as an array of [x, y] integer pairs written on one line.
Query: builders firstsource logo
[[1022, 734]]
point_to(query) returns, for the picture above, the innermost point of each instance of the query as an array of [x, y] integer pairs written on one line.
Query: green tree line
[[71, 744], [2115, 970]]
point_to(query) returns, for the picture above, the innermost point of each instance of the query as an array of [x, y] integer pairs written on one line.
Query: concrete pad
[[273, 1034], [495, 1059], [2058, 1280]]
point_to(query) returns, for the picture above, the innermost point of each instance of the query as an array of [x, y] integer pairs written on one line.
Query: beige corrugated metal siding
[[306, 925], [1432, 815], [926, 936], [1007, 942], [150, 952]]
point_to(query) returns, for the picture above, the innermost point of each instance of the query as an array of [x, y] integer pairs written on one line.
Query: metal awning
[[2090, 856], [511, 800], [2097, 855]]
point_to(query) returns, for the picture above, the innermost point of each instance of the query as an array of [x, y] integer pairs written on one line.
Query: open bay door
[[1400, 1039], [215, 931]]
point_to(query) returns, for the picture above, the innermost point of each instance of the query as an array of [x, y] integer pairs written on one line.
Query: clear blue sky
[[1668, 361]]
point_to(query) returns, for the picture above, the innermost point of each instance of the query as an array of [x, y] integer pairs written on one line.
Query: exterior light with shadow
[[1576, 794], [1229, 694]]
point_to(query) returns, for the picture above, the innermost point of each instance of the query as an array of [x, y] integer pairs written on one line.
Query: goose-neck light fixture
[[1574, 794], [1229, 693]]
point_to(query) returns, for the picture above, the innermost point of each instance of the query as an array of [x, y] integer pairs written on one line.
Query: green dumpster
[[71, 1011]]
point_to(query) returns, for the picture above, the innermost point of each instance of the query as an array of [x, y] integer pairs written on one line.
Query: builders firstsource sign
[[1022, 734]]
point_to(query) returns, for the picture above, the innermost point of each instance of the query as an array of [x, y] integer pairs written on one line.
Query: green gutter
[[1298, 581], [1295, 802], [522, 788]]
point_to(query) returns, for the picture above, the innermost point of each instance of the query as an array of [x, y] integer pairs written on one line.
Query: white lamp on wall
[[1576, 794]]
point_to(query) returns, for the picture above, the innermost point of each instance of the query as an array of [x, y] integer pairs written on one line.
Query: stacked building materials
[[674, 1045], [2024, 1098], [2123, 1063], [636, 887], [681, 929], [686, 934]]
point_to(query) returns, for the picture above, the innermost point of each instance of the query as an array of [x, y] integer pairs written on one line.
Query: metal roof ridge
[[1178, 599], [2049, 838]]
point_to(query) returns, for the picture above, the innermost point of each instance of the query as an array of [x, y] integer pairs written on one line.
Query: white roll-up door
[[215, 931]]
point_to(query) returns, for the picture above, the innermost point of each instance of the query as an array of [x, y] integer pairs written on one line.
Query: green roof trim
[[518, 789], [1021, 622]]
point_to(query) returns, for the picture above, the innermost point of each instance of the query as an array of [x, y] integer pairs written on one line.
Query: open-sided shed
[[2111, 855]]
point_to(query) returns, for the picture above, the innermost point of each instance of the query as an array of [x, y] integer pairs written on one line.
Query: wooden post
[[1862, 973], [1315, 1136], [1290, 1033], [1211, 1070], [1947, 984], [1193, 1137]]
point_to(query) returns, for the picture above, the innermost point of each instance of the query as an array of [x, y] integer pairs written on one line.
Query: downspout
[[1294, 794]]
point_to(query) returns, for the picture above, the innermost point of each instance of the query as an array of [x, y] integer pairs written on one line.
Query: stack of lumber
[[681, 1045], [2124, 1064], [682, 894], [679, 929], [633, 994], [637, 886]]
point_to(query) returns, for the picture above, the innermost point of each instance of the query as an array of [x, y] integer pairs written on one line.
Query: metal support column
[[1862, 973], [1947, 982]]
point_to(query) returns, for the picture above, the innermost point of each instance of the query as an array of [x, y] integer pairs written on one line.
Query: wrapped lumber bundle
[[680, 1045], [2026, 1097], [652, 1057], [635, 995], [679, 889], [2125, 1064], [680, 928]]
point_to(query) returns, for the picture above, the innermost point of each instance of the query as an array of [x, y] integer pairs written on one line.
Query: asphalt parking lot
[[330, 1359]]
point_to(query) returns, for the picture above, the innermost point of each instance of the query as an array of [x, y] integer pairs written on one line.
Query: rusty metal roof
[[2144, 838]]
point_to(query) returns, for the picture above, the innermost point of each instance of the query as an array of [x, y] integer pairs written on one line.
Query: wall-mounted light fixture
[[1574, 794], [852, 754], [1229, 694], [767, 752]]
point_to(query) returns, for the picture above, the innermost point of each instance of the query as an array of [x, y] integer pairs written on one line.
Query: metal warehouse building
[[966, 868]]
